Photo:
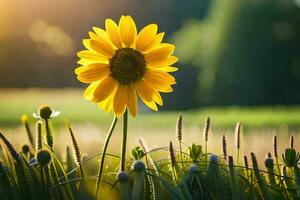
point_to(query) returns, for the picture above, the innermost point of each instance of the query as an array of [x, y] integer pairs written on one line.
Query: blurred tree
[[247, 52]]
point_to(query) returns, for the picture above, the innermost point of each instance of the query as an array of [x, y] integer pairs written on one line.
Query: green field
[[157, 130], [14, 103]]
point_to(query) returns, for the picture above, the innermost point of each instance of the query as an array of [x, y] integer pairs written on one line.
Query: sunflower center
[[127, 65]]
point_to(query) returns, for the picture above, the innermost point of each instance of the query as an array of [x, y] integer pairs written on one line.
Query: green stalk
[[29, 133], [49, 136], [124, 141], [101, 166], [297, 179], [281, 182], [278, 170], [233, 181], [260, 181], [181, 156], [138, 184]]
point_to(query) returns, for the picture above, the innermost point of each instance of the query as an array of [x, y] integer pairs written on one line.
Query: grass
[[15, 102], [166, 172]]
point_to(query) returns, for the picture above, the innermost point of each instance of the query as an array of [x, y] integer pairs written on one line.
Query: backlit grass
[[180, 163]]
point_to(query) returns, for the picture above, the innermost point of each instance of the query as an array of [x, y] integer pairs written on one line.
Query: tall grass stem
[[101, 165], [124, 140]]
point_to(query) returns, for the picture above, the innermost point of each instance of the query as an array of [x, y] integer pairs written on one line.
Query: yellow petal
[[146, 37], [112, 30], [104, 89], [166, 68], [144, 90], [169, 69], [102, 35], [120, 100], [150, 104], [163, 62], [78, 70], [83, 61], [103, 47], [132, 102], [91, 57], [87, 43], [128, 30], [89, 92], [159, 37], [157, 98], [160, 76], [93, 72], [93, 36], [159, 83], [161, 53], [107, 104]]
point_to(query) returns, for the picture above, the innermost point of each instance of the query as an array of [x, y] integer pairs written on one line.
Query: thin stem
[[124, 141], [81, 170], [43, 178], [181, 156], [49, 136], [281, 183], [101, 165], [205, 154]]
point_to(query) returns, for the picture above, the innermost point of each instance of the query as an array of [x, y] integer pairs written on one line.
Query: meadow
[[15, 102], [171, 167]]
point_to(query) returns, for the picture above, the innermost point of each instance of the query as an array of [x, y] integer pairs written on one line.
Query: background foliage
[[232, 52]]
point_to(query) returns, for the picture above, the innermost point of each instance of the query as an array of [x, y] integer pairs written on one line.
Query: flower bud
[[138, 166], [25, 149], [45, 112], [213, 158], [269, 162], [122, 176], [193, 169], [43, 157]]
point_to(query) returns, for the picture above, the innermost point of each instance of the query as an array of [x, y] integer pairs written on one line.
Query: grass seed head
[[230, 161], [238, 135], [275, 146], [224, 147], [39, 140], [292, 142], [179, 128], [206, 128], [246, 164], [172, 154], [10, 148], [254, 161], [76, 150]]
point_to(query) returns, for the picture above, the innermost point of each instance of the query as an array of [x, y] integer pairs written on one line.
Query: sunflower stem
[[124, 141], [101, 165]]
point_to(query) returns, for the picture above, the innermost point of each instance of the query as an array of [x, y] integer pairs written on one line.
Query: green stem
[[101, 166], [49, 135], [205, 155], [124, 141], [181, 156]]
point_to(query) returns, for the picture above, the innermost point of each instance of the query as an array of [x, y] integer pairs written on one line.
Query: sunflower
[[121, 64]]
